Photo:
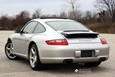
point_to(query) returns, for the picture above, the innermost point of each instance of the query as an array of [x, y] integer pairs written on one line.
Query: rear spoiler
[[80, 34]]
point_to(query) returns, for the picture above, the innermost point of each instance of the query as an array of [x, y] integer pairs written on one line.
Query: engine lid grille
[[79, 35]]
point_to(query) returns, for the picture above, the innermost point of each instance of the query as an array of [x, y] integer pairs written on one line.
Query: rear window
[[66, 25]]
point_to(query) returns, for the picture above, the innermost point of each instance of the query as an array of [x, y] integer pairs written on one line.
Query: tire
[[92, 64], [34, 59], [9, 51]]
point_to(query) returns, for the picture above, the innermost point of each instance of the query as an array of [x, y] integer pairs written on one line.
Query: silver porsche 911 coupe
[[54, 40]]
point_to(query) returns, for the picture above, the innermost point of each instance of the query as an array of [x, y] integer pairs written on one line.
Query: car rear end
[[75, 46]]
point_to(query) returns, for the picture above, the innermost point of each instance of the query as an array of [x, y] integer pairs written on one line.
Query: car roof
[[54, 19]]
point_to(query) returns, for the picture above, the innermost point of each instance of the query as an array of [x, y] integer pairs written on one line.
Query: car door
[[21, 42]]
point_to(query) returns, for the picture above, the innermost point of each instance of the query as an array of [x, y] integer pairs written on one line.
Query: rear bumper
[[58, 54], [74, 60]]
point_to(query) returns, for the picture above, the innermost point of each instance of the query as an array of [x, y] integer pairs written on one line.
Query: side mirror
[[17, 31]]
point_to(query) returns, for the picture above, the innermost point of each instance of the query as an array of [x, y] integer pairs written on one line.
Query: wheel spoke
[[11, 47], [34, 61], [9, 54], [35, 58], [8, 48], [31, 58], [33, 52]]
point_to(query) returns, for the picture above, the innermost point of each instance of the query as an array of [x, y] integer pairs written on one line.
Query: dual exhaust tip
[[70, 61]]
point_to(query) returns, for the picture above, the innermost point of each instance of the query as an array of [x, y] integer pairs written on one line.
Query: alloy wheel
[[9, 51], [33, 57]]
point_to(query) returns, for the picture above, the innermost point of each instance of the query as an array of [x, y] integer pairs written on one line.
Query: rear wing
[[80, 34]]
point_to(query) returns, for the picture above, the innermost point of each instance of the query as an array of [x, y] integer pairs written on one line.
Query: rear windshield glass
[[66, 25]]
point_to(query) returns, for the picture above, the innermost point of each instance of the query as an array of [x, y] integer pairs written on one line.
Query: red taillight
[[57, 42], [103, 41]]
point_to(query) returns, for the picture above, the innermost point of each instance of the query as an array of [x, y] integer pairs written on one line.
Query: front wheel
[[92, 64], [34, 58], [9, 50]]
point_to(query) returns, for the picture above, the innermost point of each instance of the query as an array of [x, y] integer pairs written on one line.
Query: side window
[[39, 29], [30, 27]]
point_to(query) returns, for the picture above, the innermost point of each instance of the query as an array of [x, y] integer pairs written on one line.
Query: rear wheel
[[9, 50], [34, 58], [92, 64]]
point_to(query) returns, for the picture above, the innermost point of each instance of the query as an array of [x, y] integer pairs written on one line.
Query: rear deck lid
[[81, 37]]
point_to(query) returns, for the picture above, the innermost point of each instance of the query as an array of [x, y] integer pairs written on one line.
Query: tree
[[23, 14], [21, 19], [4, 22], [72, 3], [63, 15], [90, 17], [109, 5], [37, 14]]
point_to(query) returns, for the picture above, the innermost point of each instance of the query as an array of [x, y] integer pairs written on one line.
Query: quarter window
[[39, 29], [30, 27]]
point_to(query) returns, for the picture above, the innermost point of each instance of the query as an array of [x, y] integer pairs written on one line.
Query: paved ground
[[21, 68]]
